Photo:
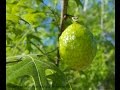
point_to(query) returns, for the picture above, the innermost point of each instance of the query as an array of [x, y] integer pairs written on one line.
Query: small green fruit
[[77, 46]]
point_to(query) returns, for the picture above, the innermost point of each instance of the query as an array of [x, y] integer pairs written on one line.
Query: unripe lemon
[[77, 46]]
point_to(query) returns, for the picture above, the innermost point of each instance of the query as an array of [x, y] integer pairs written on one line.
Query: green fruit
[[77, 46]]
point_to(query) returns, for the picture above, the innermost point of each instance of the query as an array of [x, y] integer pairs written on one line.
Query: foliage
[[31, 44]]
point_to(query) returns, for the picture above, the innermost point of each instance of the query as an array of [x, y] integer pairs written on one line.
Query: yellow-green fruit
[[77, 46]]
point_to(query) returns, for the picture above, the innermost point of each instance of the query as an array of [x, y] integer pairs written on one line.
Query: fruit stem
[[64, 4]]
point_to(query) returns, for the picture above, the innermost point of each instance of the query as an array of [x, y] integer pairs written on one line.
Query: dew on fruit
[[77, 46]]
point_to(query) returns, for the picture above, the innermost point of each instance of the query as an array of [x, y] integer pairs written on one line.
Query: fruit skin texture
[[77, 46]]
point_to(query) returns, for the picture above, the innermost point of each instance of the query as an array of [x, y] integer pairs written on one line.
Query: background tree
[[32, 45]]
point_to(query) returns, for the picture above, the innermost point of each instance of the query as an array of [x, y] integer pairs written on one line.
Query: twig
[[51, 51], [53, 12], [64, 4], [37, 47], [15, 61]]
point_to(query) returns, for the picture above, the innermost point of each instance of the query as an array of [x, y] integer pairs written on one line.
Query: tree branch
[[63, 15], [64, 5]]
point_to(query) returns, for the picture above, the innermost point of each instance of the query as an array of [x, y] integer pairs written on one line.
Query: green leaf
[[78, 2], [57, 82], [11, 86], [31, 36], [33, 18], [37, 70], [12, 18], [28, 46], [38, 1]]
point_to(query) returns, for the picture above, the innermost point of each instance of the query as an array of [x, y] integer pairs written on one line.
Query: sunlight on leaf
[[36, 69]]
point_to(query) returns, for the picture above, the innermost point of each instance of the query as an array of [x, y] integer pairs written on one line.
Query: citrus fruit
[[77, 46]]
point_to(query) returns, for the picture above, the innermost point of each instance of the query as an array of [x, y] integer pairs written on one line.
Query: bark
[[64, 4]]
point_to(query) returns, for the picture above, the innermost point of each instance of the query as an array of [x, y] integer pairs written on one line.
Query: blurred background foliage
[[32, 30]]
